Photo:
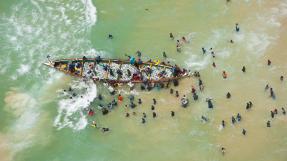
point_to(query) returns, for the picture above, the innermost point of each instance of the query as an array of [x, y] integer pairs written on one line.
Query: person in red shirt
[[120, 98]]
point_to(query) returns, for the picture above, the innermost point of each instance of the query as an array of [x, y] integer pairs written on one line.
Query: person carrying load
[[156, 62], [174, 71], [98, 59], [72, 67], [139, 62]]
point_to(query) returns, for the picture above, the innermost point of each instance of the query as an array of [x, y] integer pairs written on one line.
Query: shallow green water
[[31, 98]]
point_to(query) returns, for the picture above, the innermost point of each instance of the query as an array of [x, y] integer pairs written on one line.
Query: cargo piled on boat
[[115, 71]]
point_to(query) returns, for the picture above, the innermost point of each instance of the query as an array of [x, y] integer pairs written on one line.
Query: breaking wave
[[38, 28], [72, 109], [32, 30]]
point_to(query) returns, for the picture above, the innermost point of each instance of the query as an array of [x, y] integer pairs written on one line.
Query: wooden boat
[[115, 71]]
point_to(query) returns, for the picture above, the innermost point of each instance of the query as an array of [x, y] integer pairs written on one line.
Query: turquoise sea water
[[39, 122]]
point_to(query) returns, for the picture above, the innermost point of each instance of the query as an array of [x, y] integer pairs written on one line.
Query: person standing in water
[[139, 53], [275, 111], [195, 96], [268, 62], [184, 39], [247, 106], [268, 123], [281, 78], [172, 113], [243, 69], [210, 105], [237, 29], [244, 131], [144, 115], [272, 114], [171, 91], [154, 101], [143, 121], [223, 124], [266, 87], [176, 94], [238, 116], [250, 104], [131, 98], [120, 98], [200, 84], [203, 118], [94, 123], [233, 120], [283, 111], [224, 74], [222, 150], [100, 97], [110, 36], [139, 101], [213, 54], [203, 50], [164, 55], [193, 90], [171, 36], [272, 93], [228, 95], [153, 114], [178, 49]]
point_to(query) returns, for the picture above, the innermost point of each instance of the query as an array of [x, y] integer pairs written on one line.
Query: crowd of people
[[122, 71], [132, 102]]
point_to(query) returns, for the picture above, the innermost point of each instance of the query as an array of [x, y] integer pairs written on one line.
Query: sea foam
[[32, 30], [38, 28], [90, 12], [71, 112]]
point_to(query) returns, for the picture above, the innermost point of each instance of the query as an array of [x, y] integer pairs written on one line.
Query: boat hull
[[64, 65]]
